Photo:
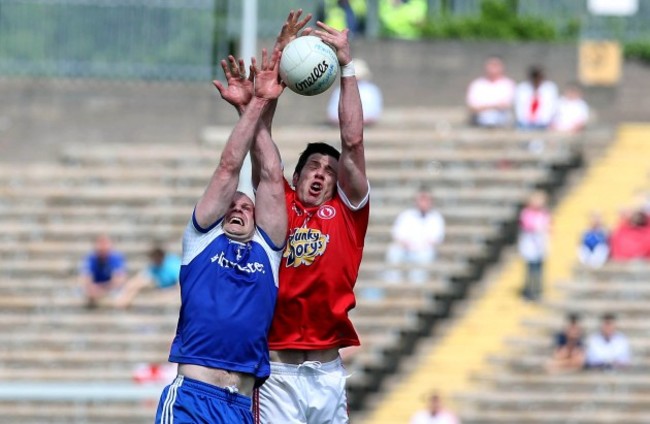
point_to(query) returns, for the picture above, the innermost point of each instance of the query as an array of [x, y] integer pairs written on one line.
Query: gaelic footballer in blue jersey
[[229, 274]]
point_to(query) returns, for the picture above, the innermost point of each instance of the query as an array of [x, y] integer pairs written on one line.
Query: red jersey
[[318, 272]]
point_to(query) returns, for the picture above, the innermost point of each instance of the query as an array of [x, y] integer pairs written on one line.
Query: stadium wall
[[47, 112]]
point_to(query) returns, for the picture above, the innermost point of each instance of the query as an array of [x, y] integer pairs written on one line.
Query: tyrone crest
[[326, 212]]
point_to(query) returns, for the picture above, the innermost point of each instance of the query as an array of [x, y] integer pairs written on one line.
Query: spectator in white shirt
[[434, 413], [416, 233], [535, 101], [608, 348], [572, 111], [372, 101], [490, 97]]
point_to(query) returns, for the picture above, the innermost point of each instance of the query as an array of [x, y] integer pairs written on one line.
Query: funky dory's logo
[[304, 245]]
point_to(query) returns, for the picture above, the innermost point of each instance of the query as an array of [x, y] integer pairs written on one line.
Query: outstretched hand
[[291, 28], [337, 39], [239, 91], [267, 81]]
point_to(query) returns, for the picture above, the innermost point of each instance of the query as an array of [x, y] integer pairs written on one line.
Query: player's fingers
[[224, 66], [251, 76], [254, 65], [242, 69], [275, 59], [234, 68], [218, 85], [326, 27], [265, 59], [326, 37], [307, 31], [306, 19]]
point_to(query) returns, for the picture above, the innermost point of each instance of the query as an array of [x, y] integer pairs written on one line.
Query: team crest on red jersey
[[326, 212], [304, 245]]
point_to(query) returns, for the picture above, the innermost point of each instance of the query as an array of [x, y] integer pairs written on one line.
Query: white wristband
[[348, 70]]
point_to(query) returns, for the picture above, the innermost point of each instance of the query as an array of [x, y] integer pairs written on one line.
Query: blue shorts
[[190, 401]]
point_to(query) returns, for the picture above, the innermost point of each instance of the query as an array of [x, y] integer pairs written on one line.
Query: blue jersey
[[228, 294]]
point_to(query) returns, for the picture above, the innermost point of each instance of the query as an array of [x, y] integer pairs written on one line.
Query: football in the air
[[308, 66]]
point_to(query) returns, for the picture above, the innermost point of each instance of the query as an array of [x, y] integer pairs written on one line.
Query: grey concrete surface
[[38, 116]]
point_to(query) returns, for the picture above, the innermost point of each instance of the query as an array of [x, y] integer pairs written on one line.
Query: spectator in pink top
[[490, 97], [534, 228]]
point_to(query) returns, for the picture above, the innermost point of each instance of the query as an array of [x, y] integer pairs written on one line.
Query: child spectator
[[572, 111], [162, 273], [594, 247], [102, 272], [534, 227]]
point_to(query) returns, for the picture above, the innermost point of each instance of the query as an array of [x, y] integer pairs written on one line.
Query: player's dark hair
[[313, 148]]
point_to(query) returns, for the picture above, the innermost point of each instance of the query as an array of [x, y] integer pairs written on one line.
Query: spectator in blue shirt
[[161, 273], [102, 271], [594, 246]]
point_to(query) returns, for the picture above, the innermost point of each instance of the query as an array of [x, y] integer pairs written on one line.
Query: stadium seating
[[50, 212], [517, 389]]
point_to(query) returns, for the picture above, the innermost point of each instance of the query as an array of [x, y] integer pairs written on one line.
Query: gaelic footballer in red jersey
[[321, 260], [328, 212]]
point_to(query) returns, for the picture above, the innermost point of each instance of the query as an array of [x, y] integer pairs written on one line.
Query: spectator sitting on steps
[[161, 273], [434, 413], [608, 348], [568, 352], [535, 101], [594, 247], [572, 112], [490, 97], [103, 271], [416, 234], [631, 238]]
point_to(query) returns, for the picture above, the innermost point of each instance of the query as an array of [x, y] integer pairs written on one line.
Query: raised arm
[[352, 164], [270, 209], [239, 89], [290, 29], [217, 197]]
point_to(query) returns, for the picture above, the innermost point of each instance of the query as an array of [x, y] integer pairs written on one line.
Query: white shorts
[[311, 392]]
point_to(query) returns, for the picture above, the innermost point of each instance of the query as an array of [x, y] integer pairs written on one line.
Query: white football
[[308, 66]]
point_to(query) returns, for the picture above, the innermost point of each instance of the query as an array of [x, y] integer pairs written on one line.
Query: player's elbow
[[354, 144], [272, 174], [228, 165]]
